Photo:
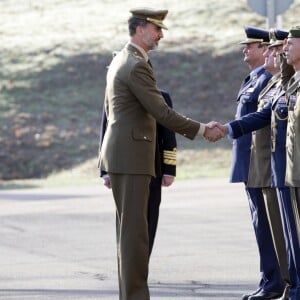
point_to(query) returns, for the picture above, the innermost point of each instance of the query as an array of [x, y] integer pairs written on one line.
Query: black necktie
[[246, 80]]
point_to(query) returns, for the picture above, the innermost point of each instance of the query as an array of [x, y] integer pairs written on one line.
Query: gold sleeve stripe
[[170, 157], [171, 162], [170, 151], [170, 154]]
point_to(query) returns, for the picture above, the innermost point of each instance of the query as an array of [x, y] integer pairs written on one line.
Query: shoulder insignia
[[136, 55]]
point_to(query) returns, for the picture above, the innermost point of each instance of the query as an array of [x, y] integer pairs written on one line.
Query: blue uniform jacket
[[279, 128], [247, 103], [276, 114]]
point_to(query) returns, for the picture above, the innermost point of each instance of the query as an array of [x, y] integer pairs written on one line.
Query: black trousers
[[153, 209]]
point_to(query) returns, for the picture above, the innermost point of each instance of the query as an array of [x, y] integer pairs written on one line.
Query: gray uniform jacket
[[133, 105]]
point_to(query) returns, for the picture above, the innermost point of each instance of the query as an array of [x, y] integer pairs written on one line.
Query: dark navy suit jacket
[[247, 103]]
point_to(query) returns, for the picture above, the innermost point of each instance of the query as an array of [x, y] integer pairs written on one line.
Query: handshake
[[215, 131]]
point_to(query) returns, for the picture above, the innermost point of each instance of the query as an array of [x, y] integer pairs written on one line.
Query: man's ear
[[140, 30]]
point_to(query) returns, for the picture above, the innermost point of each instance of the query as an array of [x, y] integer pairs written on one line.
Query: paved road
[[60, 244]]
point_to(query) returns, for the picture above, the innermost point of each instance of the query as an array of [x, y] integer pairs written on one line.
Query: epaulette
[[137, 55]]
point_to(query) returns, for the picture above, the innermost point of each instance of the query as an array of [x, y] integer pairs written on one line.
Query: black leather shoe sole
[[263, 295], [247, 296]]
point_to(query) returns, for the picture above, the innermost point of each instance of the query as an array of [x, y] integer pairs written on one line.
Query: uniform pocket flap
[[140, 135]]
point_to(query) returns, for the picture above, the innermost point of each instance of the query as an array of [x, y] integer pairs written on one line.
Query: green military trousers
[[131, 194], [295, 196], [276, 226]]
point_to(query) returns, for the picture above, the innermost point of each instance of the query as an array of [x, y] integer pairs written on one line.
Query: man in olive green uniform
[[133, 105], [292, 50]]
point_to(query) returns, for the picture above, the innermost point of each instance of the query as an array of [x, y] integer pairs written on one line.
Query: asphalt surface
[[60, 244]]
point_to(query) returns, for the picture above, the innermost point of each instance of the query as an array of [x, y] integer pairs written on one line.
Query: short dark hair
[[133, 23]]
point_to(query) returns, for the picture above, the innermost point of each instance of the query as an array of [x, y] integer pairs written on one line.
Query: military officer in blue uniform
[[271, 284], [276, 113]]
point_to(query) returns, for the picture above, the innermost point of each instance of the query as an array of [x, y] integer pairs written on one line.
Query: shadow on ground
[[50, 113], [159, 290]]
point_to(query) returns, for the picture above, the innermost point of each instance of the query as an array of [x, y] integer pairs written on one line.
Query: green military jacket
[[133, 105], [260, 159], [293, 136]]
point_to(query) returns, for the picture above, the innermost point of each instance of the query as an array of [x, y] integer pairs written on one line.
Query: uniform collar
[[255, 72], [143, 52]]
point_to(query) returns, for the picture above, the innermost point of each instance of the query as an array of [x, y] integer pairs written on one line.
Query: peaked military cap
[[151, 15], [294, 32], [255, 35], [277, 37]]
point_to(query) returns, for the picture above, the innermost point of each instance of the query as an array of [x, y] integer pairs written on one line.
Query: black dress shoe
[[263, 295], [247, 296]]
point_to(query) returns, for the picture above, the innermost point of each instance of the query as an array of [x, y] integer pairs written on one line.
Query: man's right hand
[[106, 181], [215, 131]]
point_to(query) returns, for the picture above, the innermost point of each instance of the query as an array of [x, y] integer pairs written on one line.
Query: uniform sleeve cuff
[[201, 129]]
